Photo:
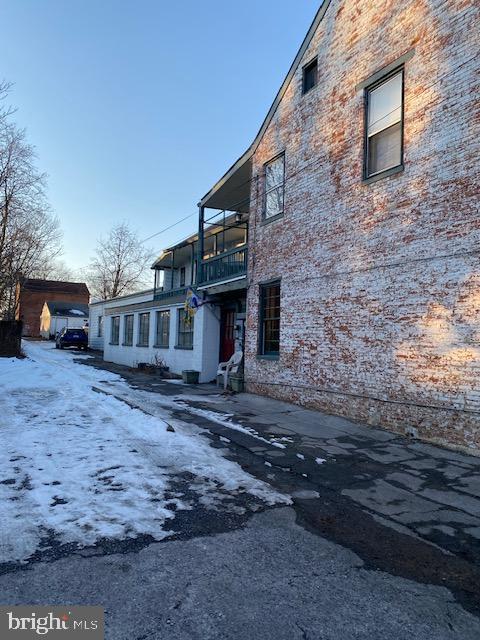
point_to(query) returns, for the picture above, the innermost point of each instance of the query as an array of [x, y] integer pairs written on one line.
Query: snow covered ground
[[77, 466]]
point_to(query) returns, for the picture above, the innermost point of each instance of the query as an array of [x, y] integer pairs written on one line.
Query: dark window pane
[[208, 247], [115, 329], [143, 329], [234, 237], [128, 331], [385, 149], [185, 330], [270, 319], [163, 329], [310, 76]]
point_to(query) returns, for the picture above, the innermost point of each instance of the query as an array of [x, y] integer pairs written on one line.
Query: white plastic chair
[[225, 368]]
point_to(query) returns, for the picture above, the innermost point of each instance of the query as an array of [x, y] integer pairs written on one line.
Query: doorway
[[227, 334]]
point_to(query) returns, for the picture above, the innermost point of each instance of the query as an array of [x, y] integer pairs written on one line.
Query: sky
[[137, 108]]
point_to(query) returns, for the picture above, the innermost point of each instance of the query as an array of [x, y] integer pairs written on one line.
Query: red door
[[227, 334]]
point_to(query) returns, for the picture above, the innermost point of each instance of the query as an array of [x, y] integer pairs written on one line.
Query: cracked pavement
[[382, 539]]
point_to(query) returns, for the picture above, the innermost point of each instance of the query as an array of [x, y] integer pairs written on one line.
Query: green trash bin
[[189, 376]]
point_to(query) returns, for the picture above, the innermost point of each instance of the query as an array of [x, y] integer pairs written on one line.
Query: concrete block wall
[[380, 295]]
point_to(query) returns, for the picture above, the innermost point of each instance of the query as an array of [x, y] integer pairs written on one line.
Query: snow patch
[[86, 466]]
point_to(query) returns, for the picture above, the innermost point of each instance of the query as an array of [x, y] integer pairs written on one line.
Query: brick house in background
[[32, 294], [361, 192]]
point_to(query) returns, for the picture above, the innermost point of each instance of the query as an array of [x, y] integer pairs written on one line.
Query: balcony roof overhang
[[232, 192], [182, 250]]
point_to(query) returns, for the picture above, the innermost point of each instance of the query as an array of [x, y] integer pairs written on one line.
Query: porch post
[[201, 225], [171, 274], [192, 266]]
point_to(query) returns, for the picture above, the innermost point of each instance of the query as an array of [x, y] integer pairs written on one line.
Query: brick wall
[[31, 305], [380, 294]]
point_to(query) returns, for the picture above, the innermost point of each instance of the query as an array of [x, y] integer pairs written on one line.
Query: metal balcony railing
[[162, 294], [225, 266]]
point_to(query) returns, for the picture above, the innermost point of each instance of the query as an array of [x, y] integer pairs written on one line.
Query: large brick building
[[362, 185], [32, 295]]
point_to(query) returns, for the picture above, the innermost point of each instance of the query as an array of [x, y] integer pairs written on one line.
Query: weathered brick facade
[[33, 293], [380, 282]]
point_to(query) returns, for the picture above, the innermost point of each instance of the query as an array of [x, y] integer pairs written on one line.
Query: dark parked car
[[72, 338]]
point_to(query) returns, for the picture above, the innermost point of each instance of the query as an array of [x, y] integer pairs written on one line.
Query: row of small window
[[162, 329], [383, 138]]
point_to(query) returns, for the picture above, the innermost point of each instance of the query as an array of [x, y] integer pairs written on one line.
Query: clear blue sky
[[137, 108]]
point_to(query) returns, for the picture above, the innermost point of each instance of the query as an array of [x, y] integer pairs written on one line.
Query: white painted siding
[[203, 357], [96, 311]]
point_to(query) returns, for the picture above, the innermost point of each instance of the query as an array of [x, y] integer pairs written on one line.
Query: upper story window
[[115, 330], [384, 125], [128, 330], [182, 276], [229, 239], [274, 186], [143, 329], [309, 79]]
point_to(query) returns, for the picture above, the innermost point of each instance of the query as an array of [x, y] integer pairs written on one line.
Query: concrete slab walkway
[[405, 507]]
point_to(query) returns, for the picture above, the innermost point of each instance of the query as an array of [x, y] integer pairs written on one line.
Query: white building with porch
[[153, 326]]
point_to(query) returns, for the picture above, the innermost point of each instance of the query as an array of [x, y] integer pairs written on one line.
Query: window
[[185, 330], [274, 186], [143, 329], [209, 247], [182, 276], [163, 329], [234, 237], [128, 331], [269, 338], [384, 125], [115, 330], [100, 327], [309, 76]]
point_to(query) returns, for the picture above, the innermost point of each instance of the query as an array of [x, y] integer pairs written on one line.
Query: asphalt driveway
[[251, 519]]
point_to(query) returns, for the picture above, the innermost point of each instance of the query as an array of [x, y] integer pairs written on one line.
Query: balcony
[[170, 295], [226, 266]]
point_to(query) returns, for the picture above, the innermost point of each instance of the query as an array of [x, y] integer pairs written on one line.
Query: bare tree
[[120, 265], [29, 233], [56, 269]]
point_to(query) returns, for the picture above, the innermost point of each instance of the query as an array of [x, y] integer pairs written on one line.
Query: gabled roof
[[67, 309], [271, 112], [33, 284]]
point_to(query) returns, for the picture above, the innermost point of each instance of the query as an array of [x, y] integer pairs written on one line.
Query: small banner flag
[[192, 303]]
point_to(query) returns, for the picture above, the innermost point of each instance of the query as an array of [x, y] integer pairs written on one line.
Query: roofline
[[191, 239], [129, 295], [271, 112]]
